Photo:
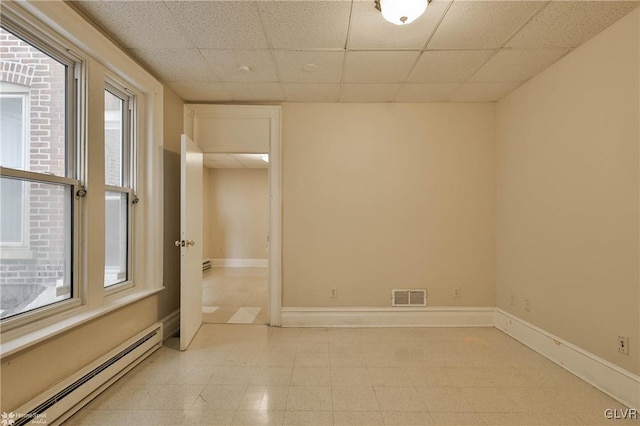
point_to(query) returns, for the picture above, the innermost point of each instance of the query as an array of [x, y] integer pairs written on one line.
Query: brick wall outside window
[[44, 80]]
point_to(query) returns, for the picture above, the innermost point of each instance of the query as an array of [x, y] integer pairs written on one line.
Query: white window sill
[[11, 345]]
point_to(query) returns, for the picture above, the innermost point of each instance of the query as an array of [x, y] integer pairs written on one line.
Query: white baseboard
[[170, 324], [609, 378], [389, 317], [239, 263]]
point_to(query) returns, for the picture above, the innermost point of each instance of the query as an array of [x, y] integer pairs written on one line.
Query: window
[[61, 264], [13, 134], [118, 109], [38, 175]]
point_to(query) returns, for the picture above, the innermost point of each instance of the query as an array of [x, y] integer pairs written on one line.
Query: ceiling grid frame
[[360, 19]]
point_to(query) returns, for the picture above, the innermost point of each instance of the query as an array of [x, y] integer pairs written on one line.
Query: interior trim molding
[[615, 381], [239, 263], [170, 324], [447, 316]]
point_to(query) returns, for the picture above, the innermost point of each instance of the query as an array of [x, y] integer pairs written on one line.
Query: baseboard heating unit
[[63, 400]]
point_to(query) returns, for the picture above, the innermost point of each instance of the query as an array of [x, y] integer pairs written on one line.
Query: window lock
[[82, 192]]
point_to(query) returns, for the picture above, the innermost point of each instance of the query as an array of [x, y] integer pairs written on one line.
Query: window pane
[[32, 108], [12, 131], [12, 219], [36, 270], [116, 223], [113, 139]]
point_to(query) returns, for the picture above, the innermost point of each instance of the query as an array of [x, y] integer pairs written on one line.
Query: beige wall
[[237, 216], [383, 196], [31, 372], [567, 206]]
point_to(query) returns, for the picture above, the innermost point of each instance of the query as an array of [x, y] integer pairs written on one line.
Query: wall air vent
[[409, 297]]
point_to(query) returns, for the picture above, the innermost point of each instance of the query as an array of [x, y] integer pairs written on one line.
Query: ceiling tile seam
[[177, 23], [496, 51], [533, 15], [116, 41], [209, 67], [468, 80], [274, 59], [344, 60], [435, 28], [534, 75], [424, 47]]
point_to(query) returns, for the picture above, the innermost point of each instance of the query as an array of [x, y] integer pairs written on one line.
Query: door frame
[[269, 119]]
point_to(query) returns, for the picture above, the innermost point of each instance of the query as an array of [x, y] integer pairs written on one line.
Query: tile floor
[[235, 295], [258, 375]]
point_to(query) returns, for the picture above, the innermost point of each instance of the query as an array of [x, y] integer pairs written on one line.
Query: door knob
[[191, 243], [179, 243]]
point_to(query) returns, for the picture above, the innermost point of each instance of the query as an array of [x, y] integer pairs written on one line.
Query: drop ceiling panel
[[291, 65], [225, 64], [378, 66], [369, 30], [255, 92], [516, 65], [200, 91], [369, 92], [176, 64], [569, 24], [382, 63], [482, 24], [305, 24], [448, 66], [137, 24], [309, 92], [427, 92], [220, 24], [483, 92]]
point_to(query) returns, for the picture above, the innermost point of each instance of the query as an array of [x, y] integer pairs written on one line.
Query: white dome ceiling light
[[401, 12]]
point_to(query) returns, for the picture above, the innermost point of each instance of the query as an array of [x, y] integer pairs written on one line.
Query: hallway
[[235, 296]]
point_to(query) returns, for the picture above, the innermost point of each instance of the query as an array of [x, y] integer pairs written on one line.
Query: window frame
[[128, 169], [74, 111], [99, 56]]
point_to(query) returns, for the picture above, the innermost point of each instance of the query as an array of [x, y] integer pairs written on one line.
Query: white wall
[[383, 196], [567, 196]]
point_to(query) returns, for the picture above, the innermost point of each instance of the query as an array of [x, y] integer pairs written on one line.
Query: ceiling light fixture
[[401, 12]]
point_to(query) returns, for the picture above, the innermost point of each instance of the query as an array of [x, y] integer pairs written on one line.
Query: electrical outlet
[[456, 292], [527, 305], [334, 292], [623, 345]]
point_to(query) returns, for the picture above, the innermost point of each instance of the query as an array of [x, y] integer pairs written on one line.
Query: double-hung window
[[38, 173], [119, 173]]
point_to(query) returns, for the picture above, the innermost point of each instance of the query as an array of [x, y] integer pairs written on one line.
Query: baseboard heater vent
[[62, 401], [206, 265], [409, 297]]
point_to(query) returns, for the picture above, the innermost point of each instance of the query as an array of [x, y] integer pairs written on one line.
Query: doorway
[[235, 237]]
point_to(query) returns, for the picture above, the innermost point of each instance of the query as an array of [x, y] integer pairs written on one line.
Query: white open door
[[191, 241]]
